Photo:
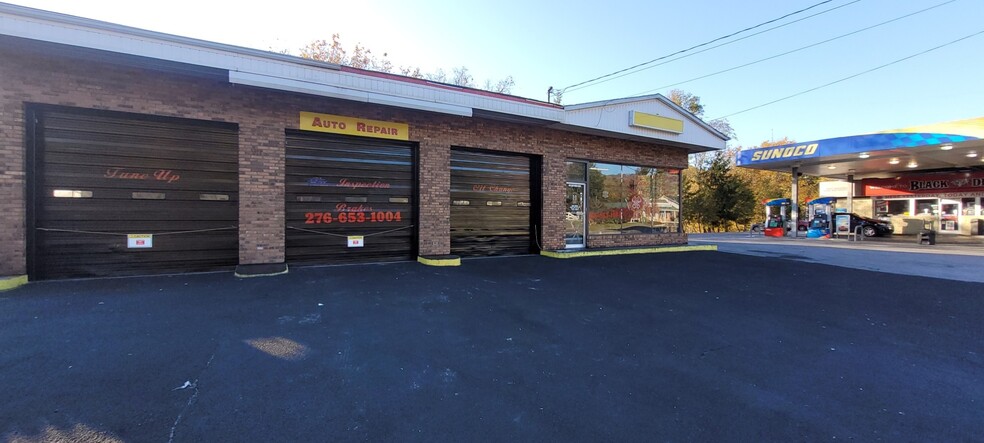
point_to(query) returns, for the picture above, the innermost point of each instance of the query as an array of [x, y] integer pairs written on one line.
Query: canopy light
[[893, 161], [972, 154], [831, 167], [864, 155], [912, 164], [946, 147]]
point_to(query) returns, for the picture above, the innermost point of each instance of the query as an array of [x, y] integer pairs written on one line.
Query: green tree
[[717, 199], [692, 104], [687, 101]]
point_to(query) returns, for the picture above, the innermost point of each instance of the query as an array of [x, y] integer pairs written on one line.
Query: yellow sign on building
[[337, 124], [651, 121]]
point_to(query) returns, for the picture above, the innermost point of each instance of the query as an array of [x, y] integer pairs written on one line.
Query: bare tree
[[437, 76], [363, 58], [461, 77], [503, 86]]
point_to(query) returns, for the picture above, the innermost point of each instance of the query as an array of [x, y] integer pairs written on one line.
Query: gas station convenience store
[[916, 177]]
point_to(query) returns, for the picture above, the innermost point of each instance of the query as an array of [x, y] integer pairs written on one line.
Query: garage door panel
[[179, 263], [103, 175], [123, 151], [73, 246], [134, 126], [129, 226], [143, 164], [387, 173], [489, 159], [490, 203], [301, 157], [113, 177], [211, 196], [341, 186]]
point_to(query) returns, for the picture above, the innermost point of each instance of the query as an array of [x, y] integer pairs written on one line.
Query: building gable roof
[[289, 73]]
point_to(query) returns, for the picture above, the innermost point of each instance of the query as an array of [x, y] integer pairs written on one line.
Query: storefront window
[[667, 200], [897, 207], [625, 199], [927, 206], [969, 206], [575, 171], [637, 184], [604, 198]]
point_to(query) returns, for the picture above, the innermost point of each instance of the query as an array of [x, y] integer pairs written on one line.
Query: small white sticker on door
[[139, 241]]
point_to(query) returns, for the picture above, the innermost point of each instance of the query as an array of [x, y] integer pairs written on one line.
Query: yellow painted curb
[[440, 261], [286, 270], [652, 250], [8, 283]]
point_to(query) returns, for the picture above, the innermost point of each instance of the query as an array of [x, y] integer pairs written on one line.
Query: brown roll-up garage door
[[116, 194], [491, 204], [349, 199]]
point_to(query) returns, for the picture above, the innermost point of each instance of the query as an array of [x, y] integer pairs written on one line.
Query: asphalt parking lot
[[693, 346]]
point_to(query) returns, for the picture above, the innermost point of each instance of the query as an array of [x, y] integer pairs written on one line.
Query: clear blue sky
[[558, 44]]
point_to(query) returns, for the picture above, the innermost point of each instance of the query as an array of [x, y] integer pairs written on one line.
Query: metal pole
[[794, 207], [850, 191]]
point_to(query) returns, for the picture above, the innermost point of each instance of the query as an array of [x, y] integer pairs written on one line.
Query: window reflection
[[625, 199], [575, 171], [604, 190]]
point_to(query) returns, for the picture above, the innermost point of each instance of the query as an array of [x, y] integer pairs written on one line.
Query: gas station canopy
[[936, 147]]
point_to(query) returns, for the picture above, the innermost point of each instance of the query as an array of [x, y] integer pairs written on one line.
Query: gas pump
[[820, 210], [776, 217]]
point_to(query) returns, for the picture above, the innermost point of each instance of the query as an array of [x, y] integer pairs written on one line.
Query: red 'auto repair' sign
[[924, 184]]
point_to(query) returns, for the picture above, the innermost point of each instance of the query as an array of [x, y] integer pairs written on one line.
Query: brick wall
[[27, 76], [12, 207]]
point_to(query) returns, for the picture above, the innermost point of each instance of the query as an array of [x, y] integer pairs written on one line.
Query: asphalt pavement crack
[[719, 348], [191, 400]]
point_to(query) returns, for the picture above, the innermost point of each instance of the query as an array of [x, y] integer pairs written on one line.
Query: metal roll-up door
[[349, 199], [490, 203], [117, 194]]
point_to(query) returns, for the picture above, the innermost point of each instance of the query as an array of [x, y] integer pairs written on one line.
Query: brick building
[[133, 152]]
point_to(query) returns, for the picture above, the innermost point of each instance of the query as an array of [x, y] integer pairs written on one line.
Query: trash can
[[977, 227], [926, 237]]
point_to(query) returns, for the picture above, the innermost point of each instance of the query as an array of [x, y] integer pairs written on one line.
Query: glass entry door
[[949, 216], [574, 217]]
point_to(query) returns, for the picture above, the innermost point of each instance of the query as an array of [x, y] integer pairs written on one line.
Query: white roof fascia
[[258, 68], [602, 104], [324, 90], [65, 29], [616, 101], [283, 72], [614, 116]]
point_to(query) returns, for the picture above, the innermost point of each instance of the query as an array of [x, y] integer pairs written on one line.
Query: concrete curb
[[626, 251], [12, 282], [441, 260]]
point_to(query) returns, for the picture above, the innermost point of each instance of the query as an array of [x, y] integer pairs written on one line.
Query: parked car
[[869, 227]]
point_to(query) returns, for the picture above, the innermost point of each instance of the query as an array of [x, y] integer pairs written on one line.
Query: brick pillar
[[435, 199], [13, 258], [261, 193], [554, 193]]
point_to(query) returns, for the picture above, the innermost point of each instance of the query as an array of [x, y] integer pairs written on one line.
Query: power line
[[715, 46], [795, 50], [622, 73], [698, 46], [855, 75]]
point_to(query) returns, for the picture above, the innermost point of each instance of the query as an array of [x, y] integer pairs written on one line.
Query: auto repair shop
[[130, 152], [921, 177]]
